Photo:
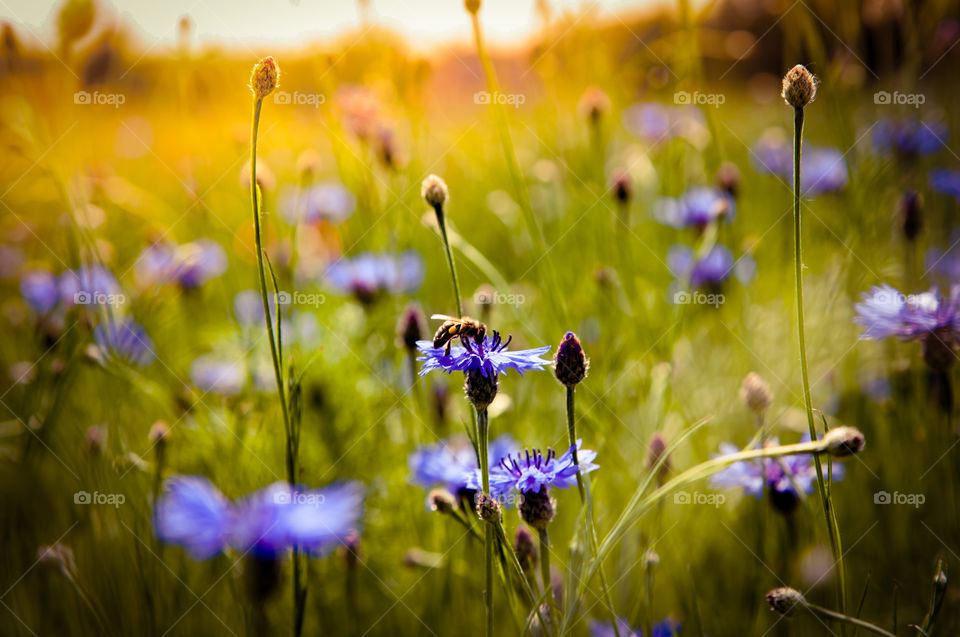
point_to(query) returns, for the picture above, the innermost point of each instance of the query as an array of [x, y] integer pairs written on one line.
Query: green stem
[[441, 221], [846, 619], [586, 501], [798, 267], [482, 449], [545, 569]]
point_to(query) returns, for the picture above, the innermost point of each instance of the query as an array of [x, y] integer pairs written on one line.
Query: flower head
[[218, 375], [490, 358], [909, 137], [368, 274], [946, 182], [125, 340], [712, 269], [451, 462], [570, 364], [327, 201], [696, 208], [190, 264], [532, 470], [194, 514], [264, 78], [799, 87], [667, 628], [434, 191], [89, 284], [885, 312], [40, 291]]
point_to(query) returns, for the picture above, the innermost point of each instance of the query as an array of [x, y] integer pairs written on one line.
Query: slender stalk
[[826, 613], [299, 598], [798, 268], [545, 566], [587, 502], [450, 263], [483, 435]]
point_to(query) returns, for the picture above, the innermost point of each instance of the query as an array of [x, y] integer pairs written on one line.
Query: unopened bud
[[489, 509], [728, 178], [537, 508], [525, 547], [799, 87], [910, 212], [570, 363], [755, 393], [622, 187], [159, 432], [442, 501], [264, 78], [785, 600], [655, 451], [844, 441], [411, 326], [434, 191], [472, 6], [95, 439]]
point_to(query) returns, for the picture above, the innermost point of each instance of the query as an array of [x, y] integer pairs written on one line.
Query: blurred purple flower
[[657, 123], [124, 340], [696, 207], [40, 291], [368, 274], [327, 201], [450, 462], [885, 312], [218, 375], [93, 284], [909, 137], [822, 169], [666, 628], [490, 357], [190, 264], [716, 267], [946, 182], [193, 514]]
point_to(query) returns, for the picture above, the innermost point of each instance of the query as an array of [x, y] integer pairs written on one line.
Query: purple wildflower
[[124, 340], [218, 376], [327, 201], [946, 182], [667, 628], [909, 137], [40, 291], [712, 269], [822, 169], [449, 463], [697, 207], [192, 513], [190, 264], [531, 470], [490, 357], [89, 285], [369, 274], [885, 312]]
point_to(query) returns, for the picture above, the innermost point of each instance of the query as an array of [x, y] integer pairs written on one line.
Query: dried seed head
[[434, 191], [785, 599], [488, 508], [799, 87], [442, 501], [570, 364], [264, 78], [525, 546], [537, 508], [58, 556], [480, 389], [844, 441], [755, 393], [411, 326]]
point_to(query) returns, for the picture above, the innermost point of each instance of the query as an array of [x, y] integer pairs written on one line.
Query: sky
[[424, 23]]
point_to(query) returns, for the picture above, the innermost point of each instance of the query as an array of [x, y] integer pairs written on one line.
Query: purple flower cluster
[[190, 265], [192, 513], [491, 357], [88, 285], [909, 137], [532, 470], [451, 463], [695, 208], [368, 274], [885, 312]]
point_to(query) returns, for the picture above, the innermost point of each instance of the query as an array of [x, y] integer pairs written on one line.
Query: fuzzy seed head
[[434, 191], [799, 87], [785, 599], [480, 389], [537, 508], [264, 78], [755, 393], [728, 178], [442, 501], [844, 441], [570, 364], [489, 509]]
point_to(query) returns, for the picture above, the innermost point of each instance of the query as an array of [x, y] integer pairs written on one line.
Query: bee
[[453, 327]]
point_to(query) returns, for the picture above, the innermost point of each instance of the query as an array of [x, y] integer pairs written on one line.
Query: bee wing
[[444, 317]]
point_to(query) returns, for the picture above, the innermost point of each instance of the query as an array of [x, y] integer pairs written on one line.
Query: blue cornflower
[[40, 291], [218, 375], [326, 201], [946, 182], [909, 137], [491, 357], [124, 340], [666, 628], [450, 463], [712, 269], [784, 476], [194, 514], [695, 208], [772, 154], [189, 265], [368, 274], [821, 170], [945, 262], [657, 123], [92, 284], [531, 471]]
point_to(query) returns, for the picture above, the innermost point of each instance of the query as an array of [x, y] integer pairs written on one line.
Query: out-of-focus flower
[[822, 169], [124, 340], [772, 154], [361, 110], [218, 375], [40, 290], [657, 123], [667, 628], [490, 358], [450, 463], [909, 137], [192, 513], [593, 104], [326, 201], [86, 285], [712, 269], [368, 274], [946, 182], [697, 207], [530, 471], [190, 265]]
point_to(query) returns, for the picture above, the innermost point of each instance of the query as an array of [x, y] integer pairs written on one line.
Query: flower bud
[[264, 78], [728, 178], [411, 327], [939, 350], [59, 556], [755, 393], [622, 187], [799, 87], [434, 191], [785, 599], [489, 509], [655, 450], [844, 441], [159, 433], [350, 549], [442, 501], [570, 363], [525, 547], [537, 508], [480, 389], [910, 212]]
